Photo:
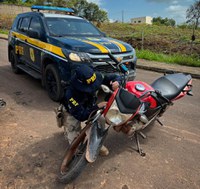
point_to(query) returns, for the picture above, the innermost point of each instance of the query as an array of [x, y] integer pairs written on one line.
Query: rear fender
[[187, 90], [95, 135]]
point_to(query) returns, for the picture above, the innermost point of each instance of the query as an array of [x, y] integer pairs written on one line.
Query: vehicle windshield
[[71, 27]]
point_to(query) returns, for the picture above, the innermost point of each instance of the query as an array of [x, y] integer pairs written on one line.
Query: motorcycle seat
[[127, 102], [171, 85]]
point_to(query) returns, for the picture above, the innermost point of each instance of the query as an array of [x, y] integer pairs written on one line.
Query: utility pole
[[122, 16]]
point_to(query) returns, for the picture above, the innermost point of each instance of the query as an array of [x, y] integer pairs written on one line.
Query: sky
[[127, 9]]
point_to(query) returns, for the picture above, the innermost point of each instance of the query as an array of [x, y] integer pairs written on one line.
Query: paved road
[[31, 146]]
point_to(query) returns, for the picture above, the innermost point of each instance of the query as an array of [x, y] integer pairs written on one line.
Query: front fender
[[96, 136]]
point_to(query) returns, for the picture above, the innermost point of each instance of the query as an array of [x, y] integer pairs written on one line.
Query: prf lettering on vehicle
[[19, 50]]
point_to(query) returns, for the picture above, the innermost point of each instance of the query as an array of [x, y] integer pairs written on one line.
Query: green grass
[[174, 59], [2, 31]]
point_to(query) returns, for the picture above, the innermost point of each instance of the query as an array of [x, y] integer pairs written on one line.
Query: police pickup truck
[[48, 46]]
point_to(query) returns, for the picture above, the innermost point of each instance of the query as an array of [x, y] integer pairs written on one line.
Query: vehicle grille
[[108, 68], [100, 62]]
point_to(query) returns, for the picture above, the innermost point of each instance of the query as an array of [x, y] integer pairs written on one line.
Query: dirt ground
[[32, 147]]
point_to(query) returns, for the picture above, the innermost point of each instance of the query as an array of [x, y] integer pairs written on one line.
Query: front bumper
[[100, 63]]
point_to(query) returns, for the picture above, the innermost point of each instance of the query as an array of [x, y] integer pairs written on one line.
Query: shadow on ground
[[37, 165]]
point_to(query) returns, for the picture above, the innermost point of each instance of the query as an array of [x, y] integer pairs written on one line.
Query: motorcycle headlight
[[115, 116], [76, 56]]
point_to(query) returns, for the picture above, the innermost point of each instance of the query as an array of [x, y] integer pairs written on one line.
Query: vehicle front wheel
[[13, 61], [77, 162], [52, 83]]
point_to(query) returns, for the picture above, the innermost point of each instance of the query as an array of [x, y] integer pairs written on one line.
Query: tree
[[59, 3], [29, 2], [171, 22], [193, 14], [90, 11], [40, 2], [102, 16], [79, 6], [12, 1], [164, 21]]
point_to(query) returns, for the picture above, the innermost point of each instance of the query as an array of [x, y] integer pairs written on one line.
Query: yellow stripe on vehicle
[[100, 47], [121, 46], [51, 48]]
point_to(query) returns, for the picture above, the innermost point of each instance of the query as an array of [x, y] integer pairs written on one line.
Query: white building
[[142, 20]]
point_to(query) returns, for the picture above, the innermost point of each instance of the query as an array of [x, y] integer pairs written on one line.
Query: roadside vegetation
[[2, 31], [180, 59], [159, 42]]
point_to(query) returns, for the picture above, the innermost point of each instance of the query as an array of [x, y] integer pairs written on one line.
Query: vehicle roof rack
[[49, 8]]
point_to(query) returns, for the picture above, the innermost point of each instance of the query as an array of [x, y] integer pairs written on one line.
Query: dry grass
[[6, 21], [162, 39]]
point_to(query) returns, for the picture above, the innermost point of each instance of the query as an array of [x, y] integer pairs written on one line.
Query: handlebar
[[121, 67], [94, 115]]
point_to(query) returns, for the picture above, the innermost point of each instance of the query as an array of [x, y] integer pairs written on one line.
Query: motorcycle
[[130, 108], [2, 103]]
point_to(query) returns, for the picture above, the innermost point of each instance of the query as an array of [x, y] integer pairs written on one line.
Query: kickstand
[[138, 143], [157, 119]]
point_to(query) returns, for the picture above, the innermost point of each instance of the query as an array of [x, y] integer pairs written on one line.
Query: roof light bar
[[38, 7]]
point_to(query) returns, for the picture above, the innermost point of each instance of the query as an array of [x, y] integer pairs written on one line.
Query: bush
[[6, 21]]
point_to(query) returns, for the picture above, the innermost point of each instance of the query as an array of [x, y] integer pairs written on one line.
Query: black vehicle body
[[37, 39]]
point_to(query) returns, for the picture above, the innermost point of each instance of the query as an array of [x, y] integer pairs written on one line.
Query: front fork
[[95, 136]]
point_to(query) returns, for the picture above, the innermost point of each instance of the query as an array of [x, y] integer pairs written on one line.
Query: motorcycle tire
[[75, 166]]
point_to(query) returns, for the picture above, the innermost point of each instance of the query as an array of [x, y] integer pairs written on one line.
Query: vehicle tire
[[75, 166], [52, 83], [13, 61]]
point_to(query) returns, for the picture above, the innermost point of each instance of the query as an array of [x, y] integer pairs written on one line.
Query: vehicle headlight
[[77, 56], [115, 116], [74, 57]]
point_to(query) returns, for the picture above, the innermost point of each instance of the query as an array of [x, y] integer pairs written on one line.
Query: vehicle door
[[36, 42], [21, 44]]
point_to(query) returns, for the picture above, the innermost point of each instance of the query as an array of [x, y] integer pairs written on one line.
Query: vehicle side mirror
[[34, 34], [104, 34]]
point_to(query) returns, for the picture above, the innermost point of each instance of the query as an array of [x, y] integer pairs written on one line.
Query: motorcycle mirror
[[105, 89]]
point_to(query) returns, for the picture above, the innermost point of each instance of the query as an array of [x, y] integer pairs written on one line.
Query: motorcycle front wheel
[[76, 163]]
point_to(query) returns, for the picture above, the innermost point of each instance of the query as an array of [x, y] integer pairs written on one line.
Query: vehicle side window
[[24, 24], [35, 24], [15, 23]]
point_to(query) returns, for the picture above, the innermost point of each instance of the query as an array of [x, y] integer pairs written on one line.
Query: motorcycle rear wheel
[[75, 166]]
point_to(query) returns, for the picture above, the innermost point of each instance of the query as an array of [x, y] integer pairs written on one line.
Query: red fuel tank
[[139, 88]]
